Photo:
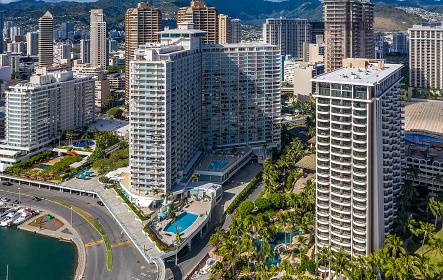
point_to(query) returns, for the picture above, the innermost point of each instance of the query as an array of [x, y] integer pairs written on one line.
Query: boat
[[11, 217], [10, 210], [25, 215]]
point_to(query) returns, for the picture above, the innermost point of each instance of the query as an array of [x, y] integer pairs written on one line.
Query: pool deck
[[200, 208]]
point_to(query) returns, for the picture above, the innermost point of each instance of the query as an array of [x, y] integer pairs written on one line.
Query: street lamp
[[19, 200], [71, 217]]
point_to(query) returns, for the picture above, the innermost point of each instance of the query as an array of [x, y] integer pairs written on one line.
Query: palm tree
[[340, 263], [426, 269], [422, 229], [323, 257], [394, 246], [217, 238], [248, 247], [195, 177], [436, 208]]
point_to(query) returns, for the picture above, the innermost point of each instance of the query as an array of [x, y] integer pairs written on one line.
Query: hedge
[[131, 205], [244, 193], [162, 246]]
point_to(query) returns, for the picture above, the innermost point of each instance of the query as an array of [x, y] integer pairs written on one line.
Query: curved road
[[127, 262]]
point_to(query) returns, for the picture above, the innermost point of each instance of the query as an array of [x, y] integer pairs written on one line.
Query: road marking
[[120, 244], [113, 245], [94, 243]]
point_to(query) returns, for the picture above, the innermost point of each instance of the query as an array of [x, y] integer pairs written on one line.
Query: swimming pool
[[84, 144], [218, 164], [44, 166], [181, 223], [422, 139]]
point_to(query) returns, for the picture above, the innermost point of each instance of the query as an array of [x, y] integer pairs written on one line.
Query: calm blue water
[[84, 143], [422, 139], [280, 238], [36, 257], [181, 223], [44, 166], [218, 164]]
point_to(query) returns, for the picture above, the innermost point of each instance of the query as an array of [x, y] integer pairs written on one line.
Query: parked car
[[100, 203], [7, 184], [36, 198]]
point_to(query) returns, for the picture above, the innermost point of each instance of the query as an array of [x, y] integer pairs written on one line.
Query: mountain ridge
[[250, 11]]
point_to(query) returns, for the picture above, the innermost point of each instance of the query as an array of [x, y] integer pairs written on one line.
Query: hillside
[[389, 18], [250, 11]]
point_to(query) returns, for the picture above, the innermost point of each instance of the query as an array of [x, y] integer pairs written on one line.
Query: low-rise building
[[302, 74], [424, 145]]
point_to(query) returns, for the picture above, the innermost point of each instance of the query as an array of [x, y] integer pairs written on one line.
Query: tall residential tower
[[142, 25], [229, 30], [46, 40], [426, 56], [289, 35], [202, 17], [349, 31], [98, 41], [360, 154]]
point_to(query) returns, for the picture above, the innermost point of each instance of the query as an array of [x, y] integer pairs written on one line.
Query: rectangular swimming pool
[[181, 223], [218, 165], [44, 166]]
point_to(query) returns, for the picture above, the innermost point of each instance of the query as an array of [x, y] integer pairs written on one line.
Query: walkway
[[119, 211]]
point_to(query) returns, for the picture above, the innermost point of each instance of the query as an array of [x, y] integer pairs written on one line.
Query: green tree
[[422, 229], [394, 246], [340, 263], [115, 113]]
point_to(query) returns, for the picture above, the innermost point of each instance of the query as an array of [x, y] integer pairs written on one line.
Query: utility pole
[[71, 217], [19, 200]]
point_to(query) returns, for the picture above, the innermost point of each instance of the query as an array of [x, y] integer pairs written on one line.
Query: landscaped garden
[[110, 153], [273, 236], [46, 166]]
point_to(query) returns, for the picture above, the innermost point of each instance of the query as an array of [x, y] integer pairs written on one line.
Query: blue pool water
[[422, 139], [280, 238], [181, 223], [84, 143], [44, 166], [218, 164]]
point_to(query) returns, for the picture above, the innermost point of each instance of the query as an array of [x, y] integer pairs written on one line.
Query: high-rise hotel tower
[[349, 31], [98, 54], [359, 154], [426, 56], [202, 17], [46, 40], [186, 96], [142, 25]]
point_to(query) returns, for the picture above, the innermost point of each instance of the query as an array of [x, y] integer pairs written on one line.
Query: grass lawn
[[435, 256]]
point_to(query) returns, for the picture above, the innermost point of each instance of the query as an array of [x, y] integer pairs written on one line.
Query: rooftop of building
[[424, 116], [108, 125], [429, 25], [360, 72], [221, 160], [239, 45]]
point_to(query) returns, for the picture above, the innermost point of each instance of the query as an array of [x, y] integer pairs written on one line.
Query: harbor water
[[31, 256]]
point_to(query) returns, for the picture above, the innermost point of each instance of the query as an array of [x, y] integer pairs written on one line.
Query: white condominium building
[[288, 34], [360, 156], [241, 95], [102, 87], [165, 115], [426, 56], [39, 111]]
